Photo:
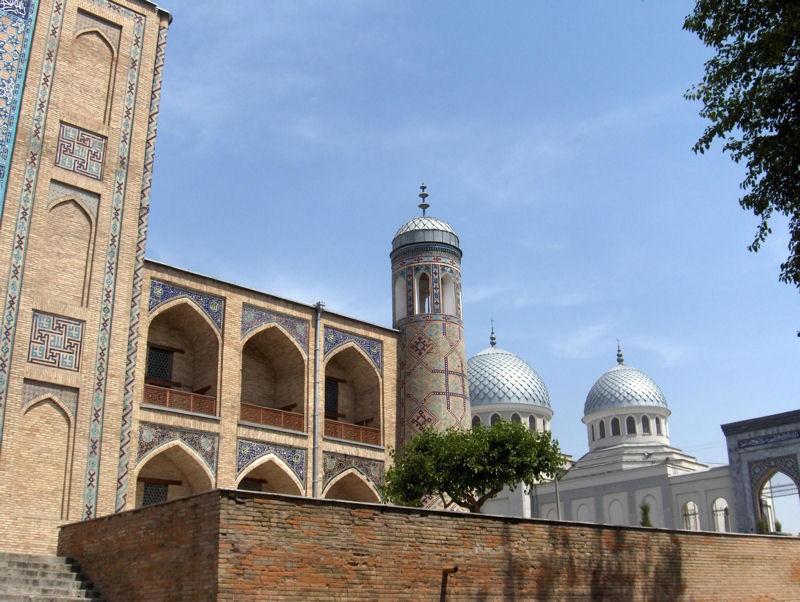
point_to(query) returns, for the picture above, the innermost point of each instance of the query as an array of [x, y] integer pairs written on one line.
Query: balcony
[[352, 432], [272, 417], [176, 399]]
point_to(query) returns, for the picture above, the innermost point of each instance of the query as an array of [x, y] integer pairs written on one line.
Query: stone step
[[40, 578]]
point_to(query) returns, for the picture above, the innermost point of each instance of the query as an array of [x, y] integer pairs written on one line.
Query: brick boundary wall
[[234, 545]]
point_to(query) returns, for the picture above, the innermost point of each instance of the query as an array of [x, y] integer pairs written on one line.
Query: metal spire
[[619, 353], [423, 195], [493, 339]]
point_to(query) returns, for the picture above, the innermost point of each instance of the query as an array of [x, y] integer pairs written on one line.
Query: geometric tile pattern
[[434, 387], [138, 275], [761, 470], [21, 227], [335, 464], [212, 306], [119, 164], [248, 452], [34, 389], [80, 151], [152, 436], [623, 386], [335, 338], [16, 28], [56, 341], [253, 317]]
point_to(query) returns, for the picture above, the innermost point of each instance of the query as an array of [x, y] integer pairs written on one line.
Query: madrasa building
[[125, 382]]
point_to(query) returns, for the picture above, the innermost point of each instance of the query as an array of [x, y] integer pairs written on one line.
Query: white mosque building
[[631, 469]]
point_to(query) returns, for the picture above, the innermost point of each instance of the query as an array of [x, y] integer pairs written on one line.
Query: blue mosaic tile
[[248, 452], [253, 317], [335, 464], [17, 18], [212, 306], [80, 151], [335, 338], [153, 436]]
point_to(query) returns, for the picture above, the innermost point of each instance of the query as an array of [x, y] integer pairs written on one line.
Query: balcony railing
[[272, 417], [352, 432], [180, 400]]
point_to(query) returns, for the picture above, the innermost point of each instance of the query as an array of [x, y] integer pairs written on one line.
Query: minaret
[[426, 285]]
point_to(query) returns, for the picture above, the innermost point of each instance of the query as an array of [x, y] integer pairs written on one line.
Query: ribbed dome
[[498, 376], [425, 228], [623, 386]]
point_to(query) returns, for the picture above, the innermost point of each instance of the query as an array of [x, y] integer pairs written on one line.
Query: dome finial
[[423, 195], [493, 339], [619, 353]]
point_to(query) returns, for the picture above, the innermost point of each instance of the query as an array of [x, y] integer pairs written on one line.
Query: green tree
[[751, 95], [645, 521], [469, 467]]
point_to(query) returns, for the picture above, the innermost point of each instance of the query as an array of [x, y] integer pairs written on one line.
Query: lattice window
[[159, 364], [154, 493]]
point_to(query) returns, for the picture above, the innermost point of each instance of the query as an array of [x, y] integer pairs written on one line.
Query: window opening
[[159, 365], [516, 419], [722, 521], [331, 399], [532, 423], [615, 427], [602, 429], [154, 493], [476, 421], [495, 418], [630, 425], [658, 425], [645, 425], [592, 431], [691, 517], [424, 294]]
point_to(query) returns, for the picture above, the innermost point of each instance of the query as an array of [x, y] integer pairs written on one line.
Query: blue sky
[[555, 139]]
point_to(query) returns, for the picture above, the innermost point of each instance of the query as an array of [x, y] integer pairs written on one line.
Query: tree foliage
[[751, 96], [469, 467]]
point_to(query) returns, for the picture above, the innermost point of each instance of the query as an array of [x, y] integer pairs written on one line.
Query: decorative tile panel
[[335, 338], [153, 436], [335, 464], [212, 306], [254, 317], [21, 227], [247, 452], [34, 389], [768, 439], [17, 18], [138, 274], [761, 469], [56, 341], [80, 151]]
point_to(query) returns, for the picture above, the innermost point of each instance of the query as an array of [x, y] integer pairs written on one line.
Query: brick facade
[[227, 545]]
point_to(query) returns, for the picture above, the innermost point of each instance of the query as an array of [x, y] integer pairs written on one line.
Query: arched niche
[[270, 475], [351, 486], [352, 396], [170, 472]]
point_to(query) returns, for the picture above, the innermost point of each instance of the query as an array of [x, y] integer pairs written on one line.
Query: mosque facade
[[126, 382]]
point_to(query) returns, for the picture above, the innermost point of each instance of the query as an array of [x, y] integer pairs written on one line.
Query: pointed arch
[[422, 299], [273, 475], [273, 379], [44, 466], [351, 485], [615, 431], [400, 301], [48, 397], [352, 396], [92, 48], [182, 358], [449, 305], [630, 425], [476, 421], [173, 470]]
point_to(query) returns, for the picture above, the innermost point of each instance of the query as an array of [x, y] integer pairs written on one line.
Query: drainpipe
[[315, 443]]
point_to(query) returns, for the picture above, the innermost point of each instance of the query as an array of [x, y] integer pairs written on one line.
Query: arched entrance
[[352, 397], [779, 505], [351, 486]]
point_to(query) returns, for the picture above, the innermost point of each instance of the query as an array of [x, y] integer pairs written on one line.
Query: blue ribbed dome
[[498, 376], [622, 387]]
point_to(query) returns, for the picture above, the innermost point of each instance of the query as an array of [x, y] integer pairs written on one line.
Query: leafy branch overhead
[[469, 467], [751, 96]]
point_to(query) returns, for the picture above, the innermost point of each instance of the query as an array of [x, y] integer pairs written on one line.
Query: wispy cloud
[[588, 341]]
